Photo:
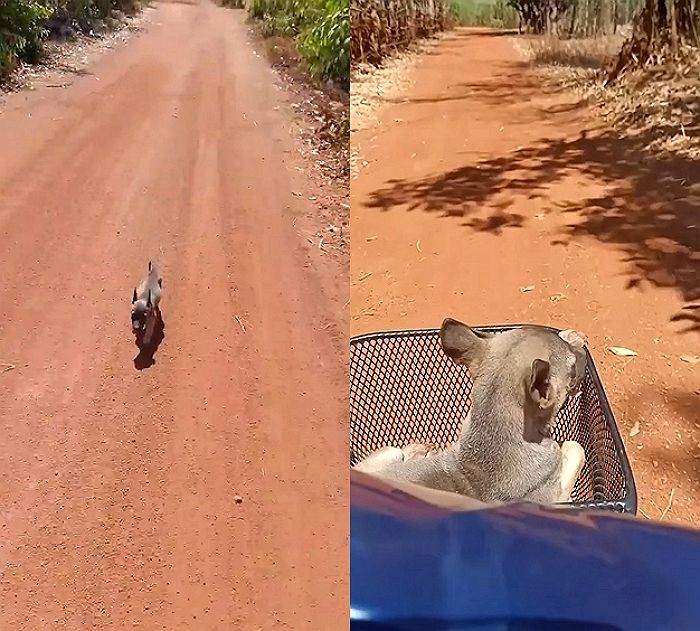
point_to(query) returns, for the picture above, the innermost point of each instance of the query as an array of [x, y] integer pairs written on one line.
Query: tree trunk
[[587, 18], [551, 17], [660, 22], [608, 16], [574, 17], [674, 25]]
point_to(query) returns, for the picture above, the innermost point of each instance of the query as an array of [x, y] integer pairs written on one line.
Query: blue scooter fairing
[[518, 567]]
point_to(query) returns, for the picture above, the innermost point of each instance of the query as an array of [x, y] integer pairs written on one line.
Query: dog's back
[[505, 472], [151, 284], [521, 379]]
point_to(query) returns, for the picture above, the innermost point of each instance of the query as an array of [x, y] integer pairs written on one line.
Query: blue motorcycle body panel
[[519, 567]]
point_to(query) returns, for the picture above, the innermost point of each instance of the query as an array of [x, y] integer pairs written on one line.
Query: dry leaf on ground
[[621, 351]]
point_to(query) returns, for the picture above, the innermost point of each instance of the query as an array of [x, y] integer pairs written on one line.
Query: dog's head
[[140, 309], [539, 368]]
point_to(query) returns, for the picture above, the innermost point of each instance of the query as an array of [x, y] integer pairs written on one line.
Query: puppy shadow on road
[[145, 358]]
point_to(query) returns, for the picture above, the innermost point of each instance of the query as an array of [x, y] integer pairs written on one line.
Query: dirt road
[[118, 478], [482, 182]]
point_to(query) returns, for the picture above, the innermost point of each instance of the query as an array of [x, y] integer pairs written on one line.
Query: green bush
[[22, 24], [21, 32], [320, 27]]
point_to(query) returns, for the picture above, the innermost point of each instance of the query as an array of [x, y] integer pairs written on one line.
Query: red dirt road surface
[[490, 197], [118, 481]]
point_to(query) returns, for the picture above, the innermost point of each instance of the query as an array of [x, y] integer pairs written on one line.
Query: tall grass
[[592, 53], [494, 13], [381, 27], [321, 29], [326, 44]]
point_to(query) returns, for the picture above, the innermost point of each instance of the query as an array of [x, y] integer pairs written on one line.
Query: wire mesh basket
[[404, 389]]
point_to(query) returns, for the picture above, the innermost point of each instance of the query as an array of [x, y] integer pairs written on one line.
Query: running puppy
[[145, 305], [522, 378]]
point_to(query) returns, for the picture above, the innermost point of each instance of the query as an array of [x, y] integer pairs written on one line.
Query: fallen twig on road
[[668, 506]]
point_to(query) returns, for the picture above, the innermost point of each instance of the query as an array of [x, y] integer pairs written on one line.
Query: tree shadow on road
[[650, 208], [498, 91]]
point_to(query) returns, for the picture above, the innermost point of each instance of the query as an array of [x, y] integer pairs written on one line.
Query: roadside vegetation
[[493, 13], [381, 28], [638, 61], [25, 25], [320, 30], [308, 41]]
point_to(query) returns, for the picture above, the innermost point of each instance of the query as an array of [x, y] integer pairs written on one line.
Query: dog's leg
[[378, 460], [572, 460], [150, 326], [415, 451]]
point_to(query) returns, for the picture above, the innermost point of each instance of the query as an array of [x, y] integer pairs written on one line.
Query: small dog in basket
[[145, 305], [521, 379]]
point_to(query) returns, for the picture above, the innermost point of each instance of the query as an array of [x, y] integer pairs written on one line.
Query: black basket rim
[[628, 503]]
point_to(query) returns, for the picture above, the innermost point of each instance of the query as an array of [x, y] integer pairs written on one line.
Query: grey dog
[[145, 305], [522, 378]]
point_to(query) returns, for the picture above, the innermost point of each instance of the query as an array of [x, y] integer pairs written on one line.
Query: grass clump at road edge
[[658, 106], [320, 28], [588, 53], [326, 45]]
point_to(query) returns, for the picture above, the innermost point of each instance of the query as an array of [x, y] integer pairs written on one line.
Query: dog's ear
[[462, 344], [134, 297], [575, 339], [539, 387], [148, 302]]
